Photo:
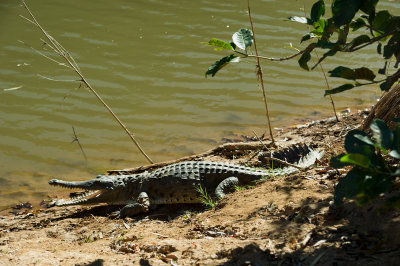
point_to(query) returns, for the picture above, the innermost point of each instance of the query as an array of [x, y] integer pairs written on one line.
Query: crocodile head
[[113, 190]]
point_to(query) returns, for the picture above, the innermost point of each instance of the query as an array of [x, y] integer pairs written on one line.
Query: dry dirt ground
[[284, 221]]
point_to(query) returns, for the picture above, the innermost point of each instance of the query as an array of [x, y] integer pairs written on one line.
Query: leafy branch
[[380, 25], [309, 48], [382, 29], [372, 159]]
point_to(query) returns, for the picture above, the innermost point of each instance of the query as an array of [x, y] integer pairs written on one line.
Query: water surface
[[145, 58]]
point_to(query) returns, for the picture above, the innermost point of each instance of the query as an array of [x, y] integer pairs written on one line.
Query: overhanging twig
[[309, 48], [59, 49], [260, 76], [327, 85]]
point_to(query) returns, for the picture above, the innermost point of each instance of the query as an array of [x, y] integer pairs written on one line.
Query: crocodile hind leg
[[226, 185], [141, 205]]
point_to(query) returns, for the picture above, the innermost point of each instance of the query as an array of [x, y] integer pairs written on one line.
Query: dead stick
[[255, 134], [284, 162]]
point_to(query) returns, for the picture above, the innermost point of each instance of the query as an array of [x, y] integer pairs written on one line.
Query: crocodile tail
[[297, 154]]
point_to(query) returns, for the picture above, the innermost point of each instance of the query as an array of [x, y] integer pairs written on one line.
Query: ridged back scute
[[197, 169], [184, 170]]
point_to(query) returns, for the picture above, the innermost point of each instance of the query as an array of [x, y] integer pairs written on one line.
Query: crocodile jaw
[[90, 197], [97, 191]]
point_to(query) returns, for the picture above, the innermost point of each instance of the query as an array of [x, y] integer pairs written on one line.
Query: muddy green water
[[146, 60]]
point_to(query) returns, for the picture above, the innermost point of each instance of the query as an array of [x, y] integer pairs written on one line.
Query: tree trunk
[[386, 109]]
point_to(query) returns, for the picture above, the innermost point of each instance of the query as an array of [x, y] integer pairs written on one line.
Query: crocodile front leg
[[226, 185], [141, 205]]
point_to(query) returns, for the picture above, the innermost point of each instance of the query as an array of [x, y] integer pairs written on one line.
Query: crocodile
[[171, 184]]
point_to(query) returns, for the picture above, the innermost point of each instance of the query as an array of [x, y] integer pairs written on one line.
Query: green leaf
[[349, 186], [342, 72], [304, 59], [364, 139], [361, 39], [307, 37], [376, 183], [387, 84], [364, 73], [317, 10], [342, 88], [382, 21], [363, 185], [378, 161], [368, 6], [336, 163], [343, 11], [348, 73], [319, 27], [395, 154], [219, 44], [302, 20], [396, 173], [396, 142], [392, 47], [353, 143], [331, 52], [214, 68], [388, 51], [356, 159], [382, 134], [382, 70], [243, 38], [379, 48], [324, 44], [357, 24]]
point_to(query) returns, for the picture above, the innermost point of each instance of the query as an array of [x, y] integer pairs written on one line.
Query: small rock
[[165, 249], [169, 258]]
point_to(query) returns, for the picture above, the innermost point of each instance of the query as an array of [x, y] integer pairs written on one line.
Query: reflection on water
[[146, 60]]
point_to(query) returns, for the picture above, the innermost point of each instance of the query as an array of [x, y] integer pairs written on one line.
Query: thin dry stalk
[[309, 48], [260, 76], [327, 85], [323, 72], [260, 140], [80, 146], [59, 49]]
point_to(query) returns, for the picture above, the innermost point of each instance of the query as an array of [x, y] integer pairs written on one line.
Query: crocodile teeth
[[78, 199]]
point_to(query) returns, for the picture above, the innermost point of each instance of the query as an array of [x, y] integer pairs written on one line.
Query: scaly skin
[[171, 184]]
